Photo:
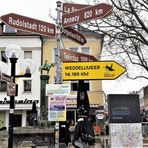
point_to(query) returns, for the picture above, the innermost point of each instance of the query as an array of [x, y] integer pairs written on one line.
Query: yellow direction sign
[[102, 70]]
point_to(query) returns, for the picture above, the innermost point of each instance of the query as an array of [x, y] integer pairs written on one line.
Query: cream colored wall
[[146, 101], [95, 95]]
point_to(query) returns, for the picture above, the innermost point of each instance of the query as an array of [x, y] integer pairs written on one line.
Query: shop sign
[[24, 101]]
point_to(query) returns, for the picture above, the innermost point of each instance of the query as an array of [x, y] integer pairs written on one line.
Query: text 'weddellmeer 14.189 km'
[[103, 70]]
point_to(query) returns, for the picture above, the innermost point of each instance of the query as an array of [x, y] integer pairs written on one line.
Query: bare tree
[[126, 35]]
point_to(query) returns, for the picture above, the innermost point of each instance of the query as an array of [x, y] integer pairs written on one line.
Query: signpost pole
[[58, 79]]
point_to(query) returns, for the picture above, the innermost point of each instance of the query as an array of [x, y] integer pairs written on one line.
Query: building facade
[[28, 88], [41, 49], [94, 87]]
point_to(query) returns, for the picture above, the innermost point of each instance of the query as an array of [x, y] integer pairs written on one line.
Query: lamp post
[[13, 52]]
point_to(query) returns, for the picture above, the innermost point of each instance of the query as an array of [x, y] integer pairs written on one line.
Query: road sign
[[102, 70], [86, 14], [69, 56], [5, 77], [74, 35], [28, 24], [69, 7]]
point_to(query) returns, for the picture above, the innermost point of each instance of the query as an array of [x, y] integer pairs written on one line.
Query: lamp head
[[27, 66], [13, 51], [27, 73]]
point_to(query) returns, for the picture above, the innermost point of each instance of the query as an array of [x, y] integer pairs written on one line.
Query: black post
[[12, 105]]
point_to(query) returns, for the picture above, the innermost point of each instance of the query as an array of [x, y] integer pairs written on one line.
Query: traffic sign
[[69, 7], [102, 70], [74, 35], [28, 24], [86, 14], [69, 56], [5, 77]]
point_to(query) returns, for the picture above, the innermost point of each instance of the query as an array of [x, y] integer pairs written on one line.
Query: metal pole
[[58, 79], [12, 105], [58, 50]]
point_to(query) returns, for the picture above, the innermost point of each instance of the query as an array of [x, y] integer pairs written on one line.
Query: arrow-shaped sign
[[69, 56], [5, 77], [74, 35], [102, 70], [28, 24], [86, 14], [69, 7]]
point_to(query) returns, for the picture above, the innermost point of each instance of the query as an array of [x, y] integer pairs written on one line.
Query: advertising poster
[[57, 108], [126, 135]]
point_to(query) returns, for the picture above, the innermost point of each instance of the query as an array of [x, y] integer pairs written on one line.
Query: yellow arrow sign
[[102, 70]]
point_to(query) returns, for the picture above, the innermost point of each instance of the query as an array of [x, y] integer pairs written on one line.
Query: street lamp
[[13, 52]]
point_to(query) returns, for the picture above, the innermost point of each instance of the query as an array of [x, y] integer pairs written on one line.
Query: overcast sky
[[39, 9]]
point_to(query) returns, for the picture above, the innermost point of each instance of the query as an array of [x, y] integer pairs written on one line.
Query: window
[[85, 50], [27, 54], [3, 86], [17, 120], [74, 85], [27, 85], [74, 49], [7, 29], [3, 57], [71, 117]]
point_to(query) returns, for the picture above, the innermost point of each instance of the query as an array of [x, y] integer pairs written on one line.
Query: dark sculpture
[[46, 67], [84, 133]]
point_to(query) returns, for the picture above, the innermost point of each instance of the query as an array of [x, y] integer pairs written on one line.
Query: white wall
[[25, 42]]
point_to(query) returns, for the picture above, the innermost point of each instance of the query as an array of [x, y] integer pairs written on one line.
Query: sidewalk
[[4, 144], [97, 145]]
